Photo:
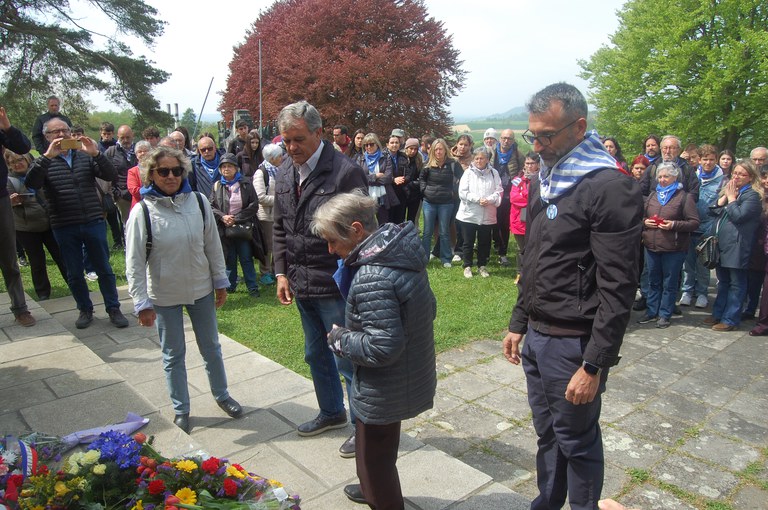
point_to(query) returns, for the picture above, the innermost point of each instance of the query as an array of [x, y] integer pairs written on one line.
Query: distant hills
[[516, 113]]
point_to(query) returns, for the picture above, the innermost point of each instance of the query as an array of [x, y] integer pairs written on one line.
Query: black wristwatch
[[591, 369]]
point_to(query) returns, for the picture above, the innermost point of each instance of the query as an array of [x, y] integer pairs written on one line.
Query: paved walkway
[[684, 418]]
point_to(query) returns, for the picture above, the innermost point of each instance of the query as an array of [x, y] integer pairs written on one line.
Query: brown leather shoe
[[722, 326], [25, 319], [710, 321]]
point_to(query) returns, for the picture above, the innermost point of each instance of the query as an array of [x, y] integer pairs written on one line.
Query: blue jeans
[[663, 278], [317, 318], [170, 327], [695, 276], [92, 235], [731, 290], [241, 249], [570, 457], [443, 214]]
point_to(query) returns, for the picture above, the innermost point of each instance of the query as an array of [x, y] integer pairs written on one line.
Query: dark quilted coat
[[388, 334], [71, 192]]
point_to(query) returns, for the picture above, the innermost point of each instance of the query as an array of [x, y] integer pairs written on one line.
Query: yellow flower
[[275, 483], [90, 457], [187, 496], [233, 471], [60, 488], [99, 469], [38, 507], [186, 465], [138, 506]]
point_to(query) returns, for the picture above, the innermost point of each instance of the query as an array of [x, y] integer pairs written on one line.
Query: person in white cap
[[490, 138]]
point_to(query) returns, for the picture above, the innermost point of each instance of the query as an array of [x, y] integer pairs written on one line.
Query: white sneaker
[[685, 299], [483, 272], [92, 277], [432, 256], [447, 265], [467, 272], [456, 258], [701, 301]]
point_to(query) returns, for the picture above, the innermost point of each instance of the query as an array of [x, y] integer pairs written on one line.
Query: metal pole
[[261, 133], [197, 124]]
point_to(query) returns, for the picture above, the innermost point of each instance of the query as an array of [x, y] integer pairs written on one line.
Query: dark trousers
[[8, 262], [754, 285], [483, 234], [116, 226], [501, 232], [412, 211], [376, 455], [397, 212], [762, 319], [33, 243], [570, 458]]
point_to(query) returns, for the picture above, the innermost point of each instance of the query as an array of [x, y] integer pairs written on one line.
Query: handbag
[[239, 231], [708, 252]]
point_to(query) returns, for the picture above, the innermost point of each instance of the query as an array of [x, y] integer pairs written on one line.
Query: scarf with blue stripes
[[587, 157]]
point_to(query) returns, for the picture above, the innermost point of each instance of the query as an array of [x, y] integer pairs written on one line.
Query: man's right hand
[[284, 294], [54, 149], [511, 348]]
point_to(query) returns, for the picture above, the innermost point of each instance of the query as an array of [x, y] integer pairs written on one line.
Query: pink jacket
[[518, 199]]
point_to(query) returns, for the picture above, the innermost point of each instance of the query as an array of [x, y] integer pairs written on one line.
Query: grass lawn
[[467, 309]]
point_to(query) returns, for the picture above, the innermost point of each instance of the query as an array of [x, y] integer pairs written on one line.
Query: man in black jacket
[[38, 137], [312, 173], [15, 141], [578, 280], [68, 177]]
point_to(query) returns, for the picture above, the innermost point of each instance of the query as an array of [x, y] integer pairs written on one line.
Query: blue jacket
[[389, 334], [738, 224], [708, 191]]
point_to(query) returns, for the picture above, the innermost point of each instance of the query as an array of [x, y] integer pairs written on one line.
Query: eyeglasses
[[545, 139], [206, 149], [64, 131], [163, 172]]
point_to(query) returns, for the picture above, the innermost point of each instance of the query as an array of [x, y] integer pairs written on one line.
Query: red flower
[[238, 466], [156, 487], [211, 465], [230, 487], [140, 437]]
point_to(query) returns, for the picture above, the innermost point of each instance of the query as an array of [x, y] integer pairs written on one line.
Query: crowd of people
[[334, 225]]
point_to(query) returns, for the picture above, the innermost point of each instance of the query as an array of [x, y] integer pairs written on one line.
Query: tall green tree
[[694, 68], [188, 119], [44, 50], [374, 64]]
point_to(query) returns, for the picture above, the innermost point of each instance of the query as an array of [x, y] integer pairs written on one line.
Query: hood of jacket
[[395, 246]]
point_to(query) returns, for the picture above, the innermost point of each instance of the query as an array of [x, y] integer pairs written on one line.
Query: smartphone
[[70, 143]]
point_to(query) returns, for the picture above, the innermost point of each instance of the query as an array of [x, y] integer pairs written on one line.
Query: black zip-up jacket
[[300, 255], [440, 185], [579, 271], [71, 192]]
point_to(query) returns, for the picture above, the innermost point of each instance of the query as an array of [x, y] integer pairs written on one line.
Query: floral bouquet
[[122, 472], [18, 460]]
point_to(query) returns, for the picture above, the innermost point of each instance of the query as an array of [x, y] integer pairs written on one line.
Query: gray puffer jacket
[[388, 334]]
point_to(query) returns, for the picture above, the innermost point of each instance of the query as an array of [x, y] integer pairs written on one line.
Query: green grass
[[467, 309]]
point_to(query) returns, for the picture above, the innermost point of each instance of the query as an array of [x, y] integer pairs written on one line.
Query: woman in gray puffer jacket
[[388, 335]]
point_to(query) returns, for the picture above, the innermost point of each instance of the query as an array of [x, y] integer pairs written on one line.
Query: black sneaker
[[117, 318], [347, 449], [355, 494], [640, 304], [677, 312], [322, 423], [662, 323], [645, 319], [85, 319], [254, 292]]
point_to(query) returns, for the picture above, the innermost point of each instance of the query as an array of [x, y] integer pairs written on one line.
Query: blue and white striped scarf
[[587, 157]]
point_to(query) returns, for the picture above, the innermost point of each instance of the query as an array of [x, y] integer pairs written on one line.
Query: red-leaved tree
[[371, 64]]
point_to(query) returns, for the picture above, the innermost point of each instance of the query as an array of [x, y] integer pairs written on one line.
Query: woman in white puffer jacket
[[480, 193]]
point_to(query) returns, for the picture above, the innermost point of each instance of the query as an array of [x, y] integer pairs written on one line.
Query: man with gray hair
[[671, 148], [759, 156], [584, 223], [310, 175]]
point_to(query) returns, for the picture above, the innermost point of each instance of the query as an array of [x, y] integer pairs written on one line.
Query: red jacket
[[518, 199]]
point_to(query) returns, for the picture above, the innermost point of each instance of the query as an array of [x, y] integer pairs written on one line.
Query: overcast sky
[[510, 48]]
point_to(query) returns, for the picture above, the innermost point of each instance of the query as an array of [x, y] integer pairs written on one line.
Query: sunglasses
[[163, 172]]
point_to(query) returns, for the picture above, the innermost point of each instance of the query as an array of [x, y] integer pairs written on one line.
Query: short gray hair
[[672, 137], [333, 220], [45, 126], [301, 110], [150, 162], [271, 151], [667, 166], [142, 144], [482, 150], [753, 151], [573, 102]]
